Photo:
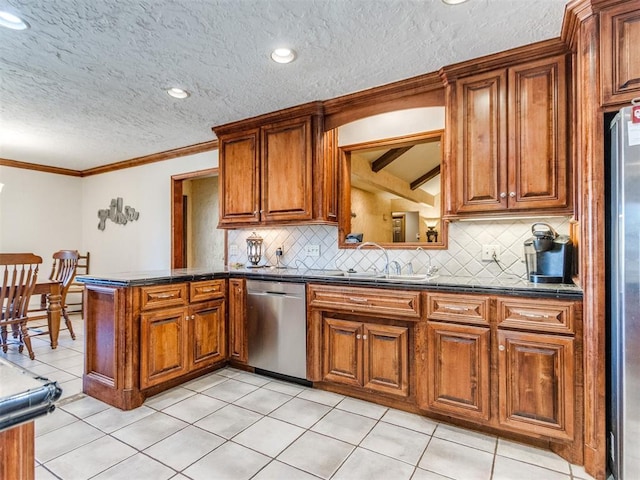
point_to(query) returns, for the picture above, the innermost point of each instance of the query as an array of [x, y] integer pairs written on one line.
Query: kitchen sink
[[364, 274], [325, 273], [409, 276]]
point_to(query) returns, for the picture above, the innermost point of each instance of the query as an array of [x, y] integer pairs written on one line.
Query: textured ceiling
[[85, 85]]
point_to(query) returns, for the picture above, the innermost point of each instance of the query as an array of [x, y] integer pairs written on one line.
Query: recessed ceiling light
[[9, 20], [178, 93], [453, 2], [283, 55]]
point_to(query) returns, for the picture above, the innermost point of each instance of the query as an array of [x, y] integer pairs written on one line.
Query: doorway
[[196, 240]]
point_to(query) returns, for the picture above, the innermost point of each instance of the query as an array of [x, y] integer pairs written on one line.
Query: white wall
[[40, 213], [43, 212], [391, 124], [144, 244]]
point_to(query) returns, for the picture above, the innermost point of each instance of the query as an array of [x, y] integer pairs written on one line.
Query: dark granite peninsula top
[[506, 285], [23, 395]]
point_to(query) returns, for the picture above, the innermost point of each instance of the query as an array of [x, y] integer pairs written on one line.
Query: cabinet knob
[[364, 337], [501, 348], [192, 317], [512, 194], [358, 336], [503, 194]]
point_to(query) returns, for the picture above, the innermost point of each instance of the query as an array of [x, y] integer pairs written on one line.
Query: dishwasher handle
[[272, 294]]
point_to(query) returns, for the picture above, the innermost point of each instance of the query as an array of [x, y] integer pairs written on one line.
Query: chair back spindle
[[19, 277]]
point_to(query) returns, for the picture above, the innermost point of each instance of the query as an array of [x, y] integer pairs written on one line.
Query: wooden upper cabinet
[[620, 61], [511, 139], [482, 142], [239, 170], [279, 168], [538, 138], [286, 170]]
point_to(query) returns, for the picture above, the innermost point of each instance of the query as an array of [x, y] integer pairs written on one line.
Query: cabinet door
[[239, 181], [207, 333], [619, 40], [237, 320], [286, 172], [458, 370], [481, 167], [163, 353], [342, 356], [538, 139], [386, 364], [536, 383]]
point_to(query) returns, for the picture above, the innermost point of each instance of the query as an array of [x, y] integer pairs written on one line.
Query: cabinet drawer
[[162, 296], [386, 303], [206, 290], [458, 308], [536, 314]]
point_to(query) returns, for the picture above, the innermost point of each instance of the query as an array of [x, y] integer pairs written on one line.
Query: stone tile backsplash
[[461, 258]]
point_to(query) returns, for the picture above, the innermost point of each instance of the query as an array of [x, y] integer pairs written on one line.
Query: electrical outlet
[[490, 253], [312, 250], [233, 249]]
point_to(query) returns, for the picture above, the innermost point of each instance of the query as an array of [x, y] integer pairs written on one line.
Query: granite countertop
[[507, 284], [24, 395]]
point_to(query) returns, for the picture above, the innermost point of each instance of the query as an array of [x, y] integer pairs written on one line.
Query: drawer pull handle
[[457, 309], [358, 300], [165, 295], [208, 290], [535, 315]]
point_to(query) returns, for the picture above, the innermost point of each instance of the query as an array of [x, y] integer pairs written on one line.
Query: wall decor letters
[[116, 214]]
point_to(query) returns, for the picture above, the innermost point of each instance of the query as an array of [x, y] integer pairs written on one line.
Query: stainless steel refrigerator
[[624, 298]]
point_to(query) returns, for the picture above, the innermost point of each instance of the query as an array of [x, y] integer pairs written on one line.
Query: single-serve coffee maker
[[548, 255]]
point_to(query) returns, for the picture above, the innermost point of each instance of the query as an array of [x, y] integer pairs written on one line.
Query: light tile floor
[[235, 425]]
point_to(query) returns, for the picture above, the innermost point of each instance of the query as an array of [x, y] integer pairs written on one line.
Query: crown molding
[[134, 162]]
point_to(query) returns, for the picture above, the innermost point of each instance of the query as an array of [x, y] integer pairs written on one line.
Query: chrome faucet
[[394, 268], [431, 269], [384, 252]]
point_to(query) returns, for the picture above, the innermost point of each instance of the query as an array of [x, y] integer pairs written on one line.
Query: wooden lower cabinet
[[536, 383], [163, 352], [371, 356], [206, 335], [238, 348], [176, 341], [458, 369], [366, 355]]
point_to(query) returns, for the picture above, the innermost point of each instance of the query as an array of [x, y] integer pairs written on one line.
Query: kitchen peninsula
[[499, 355]]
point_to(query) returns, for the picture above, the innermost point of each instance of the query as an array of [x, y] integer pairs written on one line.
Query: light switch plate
[[312, 250]]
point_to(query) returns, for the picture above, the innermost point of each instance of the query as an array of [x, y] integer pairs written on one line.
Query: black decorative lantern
[[254, 248]]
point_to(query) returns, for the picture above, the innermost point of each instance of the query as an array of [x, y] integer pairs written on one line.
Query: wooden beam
[[425, 178], [388, 183], [388, 157]]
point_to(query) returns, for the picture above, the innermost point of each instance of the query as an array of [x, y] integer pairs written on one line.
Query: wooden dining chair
[[63, 271], [18, 277], [76, 290]]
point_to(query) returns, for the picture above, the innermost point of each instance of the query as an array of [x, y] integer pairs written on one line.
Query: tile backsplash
[[461, 258]]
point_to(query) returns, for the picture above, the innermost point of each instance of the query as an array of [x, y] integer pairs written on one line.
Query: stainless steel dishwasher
[[277, 327]]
